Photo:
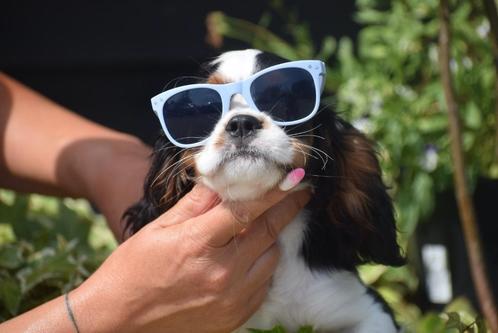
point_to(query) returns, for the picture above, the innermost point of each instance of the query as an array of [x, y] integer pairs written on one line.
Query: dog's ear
[[357, 203], [169, 179]]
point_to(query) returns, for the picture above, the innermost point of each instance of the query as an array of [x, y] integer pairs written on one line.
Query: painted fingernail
[[292, 179]]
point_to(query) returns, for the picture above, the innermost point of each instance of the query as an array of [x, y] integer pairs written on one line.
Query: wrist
[[96, 310]]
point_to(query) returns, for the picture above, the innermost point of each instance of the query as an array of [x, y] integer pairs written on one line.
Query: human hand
[[203, 266]]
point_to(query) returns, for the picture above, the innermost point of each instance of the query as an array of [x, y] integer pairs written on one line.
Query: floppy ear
[[169, 179], [357, 203]]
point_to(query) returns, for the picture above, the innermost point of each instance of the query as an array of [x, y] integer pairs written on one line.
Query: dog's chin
[[244, 177]]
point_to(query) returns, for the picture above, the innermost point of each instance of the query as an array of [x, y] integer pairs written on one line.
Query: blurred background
[[105, 59]]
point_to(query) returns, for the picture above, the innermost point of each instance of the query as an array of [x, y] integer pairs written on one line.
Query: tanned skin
[[203, 266]]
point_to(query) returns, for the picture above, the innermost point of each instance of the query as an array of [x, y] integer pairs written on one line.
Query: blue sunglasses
[[289, 93]]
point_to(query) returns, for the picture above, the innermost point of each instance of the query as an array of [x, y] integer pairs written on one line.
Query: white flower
[[483, 29], [430, 158], [363, 124]]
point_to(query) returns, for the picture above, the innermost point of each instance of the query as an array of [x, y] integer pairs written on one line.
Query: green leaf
[[276, 329], [15, 213], [431, 323], [472, 116], [306, 329], [432, 124], [454, 321], [10, 294], [481, 325], [10, 257], [48, 265], [329, 45]]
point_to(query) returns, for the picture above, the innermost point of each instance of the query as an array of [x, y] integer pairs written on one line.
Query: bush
[[48, 246]]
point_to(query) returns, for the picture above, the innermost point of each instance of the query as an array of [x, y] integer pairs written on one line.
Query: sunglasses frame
[[226, 90]]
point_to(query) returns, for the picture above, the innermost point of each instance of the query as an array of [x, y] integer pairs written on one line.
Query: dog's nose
[[241, 126]]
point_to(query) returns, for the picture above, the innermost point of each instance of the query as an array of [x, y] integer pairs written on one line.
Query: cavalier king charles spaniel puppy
[[255, 118]]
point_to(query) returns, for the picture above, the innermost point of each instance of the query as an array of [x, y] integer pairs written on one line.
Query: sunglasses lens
[[286, 94], [191, 115]]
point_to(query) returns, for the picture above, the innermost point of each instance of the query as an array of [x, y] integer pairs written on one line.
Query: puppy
[[256, 117]]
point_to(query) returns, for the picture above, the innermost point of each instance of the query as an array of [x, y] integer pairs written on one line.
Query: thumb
[[198, 201]]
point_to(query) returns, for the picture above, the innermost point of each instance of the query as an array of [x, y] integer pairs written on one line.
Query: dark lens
[[286, 94], [191, 115]]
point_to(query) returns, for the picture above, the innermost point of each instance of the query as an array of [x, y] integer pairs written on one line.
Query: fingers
[[255, 301], [226, 220], [264, 231], [263, 268], [198, 201]]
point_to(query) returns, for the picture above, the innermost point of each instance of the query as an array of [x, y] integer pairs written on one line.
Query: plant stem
[[464, 200], [492, 15]]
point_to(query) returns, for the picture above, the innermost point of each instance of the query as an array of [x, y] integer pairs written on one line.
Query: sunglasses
[[289, 93]]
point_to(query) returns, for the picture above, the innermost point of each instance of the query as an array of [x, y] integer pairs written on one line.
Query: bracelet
[[70, 313]]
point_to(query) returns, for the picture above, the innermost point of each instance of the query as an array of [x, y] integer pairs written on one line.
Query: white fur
[[237, 65], [330, 301], [334, 301], [245, 178]]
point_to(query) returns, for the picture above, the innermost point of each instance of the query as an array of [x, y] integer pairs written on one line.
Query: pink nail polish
[[292, 179]]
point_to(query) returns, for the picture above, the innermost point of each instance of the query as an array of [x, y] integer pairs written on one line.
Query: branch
[[464, 200], [492, 15]]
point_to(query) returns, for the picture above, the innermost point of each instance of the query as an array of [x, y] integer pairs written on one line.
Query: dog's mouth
[[246, 153], [244, 173], [246, 166]]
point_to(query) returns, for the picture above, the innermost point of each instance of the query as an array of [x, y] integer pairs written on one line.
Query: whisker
[[307, 131], [319, 152], [176, 81], [165, 148], [326, 176], [174, 165], [308, 136], [176, 174]]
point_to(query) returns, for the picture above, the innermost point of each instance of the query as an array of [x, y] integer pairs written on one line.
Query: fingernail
[[292, 179]]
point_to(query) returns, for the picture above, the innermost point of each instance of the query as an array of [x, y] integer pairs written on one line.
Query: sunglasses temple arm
[[322, 82]]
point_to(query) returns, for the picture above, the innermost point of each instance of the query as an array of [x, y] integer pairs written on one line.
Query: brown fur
[[216, 78]]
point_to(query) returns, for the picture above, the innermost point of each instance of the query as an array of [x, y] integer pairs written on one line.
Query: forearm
[[91, 312], [49, 317], [47, 149]]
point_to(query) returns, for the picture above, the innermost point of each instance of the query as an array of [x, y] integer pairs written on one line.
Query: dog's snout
[[241, 126]]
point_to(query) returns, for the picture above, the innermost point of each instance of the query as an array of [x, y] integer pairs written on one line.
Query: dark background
[[105, 60]]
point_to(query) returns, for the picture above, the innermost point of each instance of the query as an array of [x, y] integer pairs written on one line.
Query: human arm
[[47, 149], [203, 266]]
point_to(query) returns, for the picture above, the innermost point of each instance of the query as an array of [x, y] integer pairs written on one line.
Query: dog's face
[[247, 154]]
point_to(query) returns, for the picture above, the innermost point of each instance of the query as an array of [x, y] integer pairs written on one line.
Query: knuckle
[[195, 197], [240, 214], [219, 280], [270, 228]]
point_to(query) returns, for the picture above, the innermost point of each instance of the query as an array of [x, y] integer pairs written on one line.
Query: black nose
[[242, 126]]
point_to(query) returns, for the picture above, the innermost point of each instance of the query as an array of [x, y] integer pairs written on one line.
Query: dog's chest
[[326, 300]]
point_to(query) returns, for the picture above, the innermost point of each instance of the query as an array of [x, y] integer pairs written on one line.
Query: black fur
[[265, 60], [347, 241], [151, 205]]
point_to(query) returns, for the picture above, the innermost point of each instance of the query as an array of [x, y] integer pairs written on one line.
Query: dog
[[261, 117]]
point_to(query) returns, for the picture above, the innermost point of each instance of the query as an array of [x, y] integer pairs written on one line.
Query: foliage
[[47, 247], [388, 85]]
